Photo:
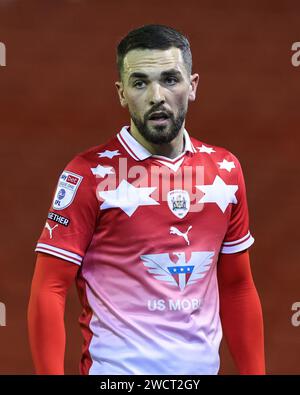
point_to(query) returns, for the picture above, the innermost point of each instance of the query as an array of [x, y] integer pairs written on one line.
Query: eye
[[171, 79], [138, 83]]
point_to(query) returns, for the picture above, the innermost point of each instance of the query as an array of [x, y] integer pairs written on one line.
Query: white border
[[59, 252], [239, 247]]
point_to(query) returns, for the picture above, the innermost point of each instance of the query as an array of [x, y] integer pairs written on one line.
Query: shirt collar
[[139, 152]]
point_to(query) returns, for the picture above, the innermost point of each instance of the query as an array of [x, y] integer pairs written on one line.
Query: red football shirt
[[146, 232]]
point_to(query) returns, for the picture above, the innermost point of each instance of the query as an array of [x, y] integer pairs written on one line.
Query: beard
[[160, 134]]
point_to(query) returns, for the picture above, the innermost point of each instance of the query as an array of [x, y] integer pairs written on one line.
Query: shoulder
[[215, 152], [219, 161], [89, 158]]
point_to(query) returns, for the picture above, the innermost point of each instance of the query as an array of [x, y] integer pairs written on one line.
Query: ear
[[120, 88], [194, 80]]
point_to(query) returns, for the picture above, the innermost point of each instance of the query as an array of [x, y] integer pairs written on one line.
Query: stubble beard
[[160, 134]]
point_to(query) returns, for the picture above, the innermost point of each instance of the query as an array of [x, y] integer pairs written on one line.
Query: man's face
[[157, 81]]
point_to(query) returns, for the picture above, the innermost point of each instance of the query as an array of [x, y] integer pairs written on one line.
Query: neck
[[170, 150]]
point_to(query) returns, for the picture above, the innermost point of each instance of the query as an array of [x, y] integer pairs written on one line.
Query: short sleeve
[[72, 216], [238, 236]]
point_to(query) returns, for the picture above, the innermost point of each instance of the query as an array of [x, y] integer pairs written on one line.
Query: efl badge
[[67, 186], [179, 202]]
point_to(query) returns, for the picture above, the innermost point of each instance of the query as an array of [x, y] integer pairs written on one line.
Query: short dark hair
[[153, 37]]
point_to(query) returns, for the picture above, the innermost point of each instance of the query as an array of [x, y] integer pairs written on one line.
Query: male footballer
[[153, 227]]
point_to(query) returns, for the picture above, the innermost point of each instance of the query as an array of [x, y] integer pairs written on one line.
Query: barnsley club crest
[[179, 202]]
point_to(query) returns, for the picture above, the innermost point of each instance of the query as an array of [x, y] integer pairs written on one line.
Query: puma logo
[[47, 226], [175, 231]]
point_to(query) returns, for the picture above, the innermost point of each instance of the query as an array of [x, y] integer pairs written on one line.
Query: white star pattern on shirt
[[226, 165], [127, 197], [206, 149], [102, 171], [108, 154], [219, 193]]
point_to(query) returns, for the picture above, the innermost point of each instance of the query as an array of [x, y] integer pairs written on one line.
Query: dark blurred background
[[57, 98]]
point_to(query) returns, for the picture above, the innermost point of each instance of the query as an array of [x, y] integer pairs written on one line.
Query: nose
[[156, 94]]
